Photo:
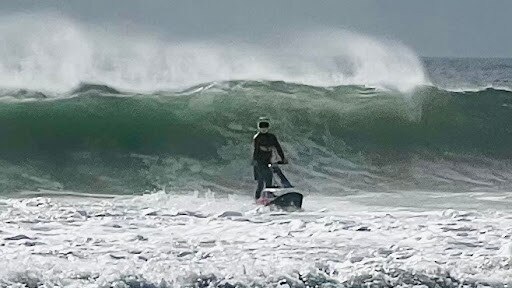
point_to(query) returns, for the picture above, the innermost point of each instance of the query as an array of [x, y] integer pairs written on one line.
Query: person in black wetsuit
[[264, 144]]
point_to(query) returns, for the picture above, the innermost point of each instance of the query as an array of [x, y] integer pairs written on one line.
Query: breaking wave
[[99, 139], [53, 53]]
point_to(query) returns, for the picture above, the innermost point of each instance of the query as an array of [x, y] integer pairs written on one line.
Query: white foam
[[54, 53], [88, 242]]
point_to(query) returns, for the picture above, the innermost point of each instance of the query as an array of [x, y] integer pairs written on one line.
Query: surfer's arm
[[279, 149], [254, 141]]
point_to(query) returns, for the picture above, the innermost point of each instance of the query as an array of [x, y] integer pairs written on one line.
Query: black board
[[288, 200]]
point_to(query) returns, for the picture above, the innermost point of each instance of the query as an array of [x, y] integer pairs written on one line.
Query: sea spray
[[54, 53]]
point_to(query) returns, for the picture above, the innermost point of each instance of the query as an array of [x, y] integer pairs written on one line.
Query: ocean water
[[125, 161]]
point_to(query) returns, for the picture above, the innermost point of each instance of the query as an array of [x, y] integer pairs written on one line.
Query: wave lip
[[96, 88], [52, 53]]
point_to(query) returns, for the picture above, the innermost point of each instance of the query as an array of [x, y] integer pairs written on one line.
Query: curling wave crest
[[54, 53]]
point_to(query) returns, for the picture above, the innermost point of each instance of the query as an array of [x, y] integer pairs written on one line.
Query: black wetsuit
[[263, 146]]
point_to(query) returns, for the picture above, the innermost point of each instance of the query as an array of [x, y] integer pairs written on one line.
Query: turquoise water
[[101, 140]]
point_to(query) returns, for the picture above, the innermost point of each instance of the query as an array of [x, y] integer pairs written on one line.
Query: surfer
[[264, 144]]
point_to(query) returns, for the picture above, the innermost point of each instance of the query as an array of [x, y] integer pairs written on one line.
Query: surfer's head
[[263, 124]]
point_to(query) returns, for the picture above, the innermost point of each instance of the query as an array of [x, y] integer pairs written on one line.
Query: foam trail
[[52, 53]]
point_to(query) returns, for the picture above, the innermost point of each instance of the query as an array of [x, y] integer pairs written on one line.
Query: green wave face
[[338, 139]]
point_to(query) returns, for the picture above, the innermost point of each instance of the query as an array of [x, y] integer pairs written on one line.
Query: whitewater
[[125, 161]]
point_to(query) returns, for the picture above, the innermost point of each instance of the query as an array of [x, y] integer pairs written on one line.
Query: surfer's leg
[[268, 177], [258, 190], [261, 182]]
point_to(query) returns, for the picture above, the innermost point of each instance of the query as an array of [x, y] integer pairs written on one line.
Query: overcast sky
[[463, 28]]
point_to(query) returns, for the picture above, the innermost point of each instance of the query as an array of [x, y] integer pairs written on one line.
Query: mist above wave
[[53, 53]]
